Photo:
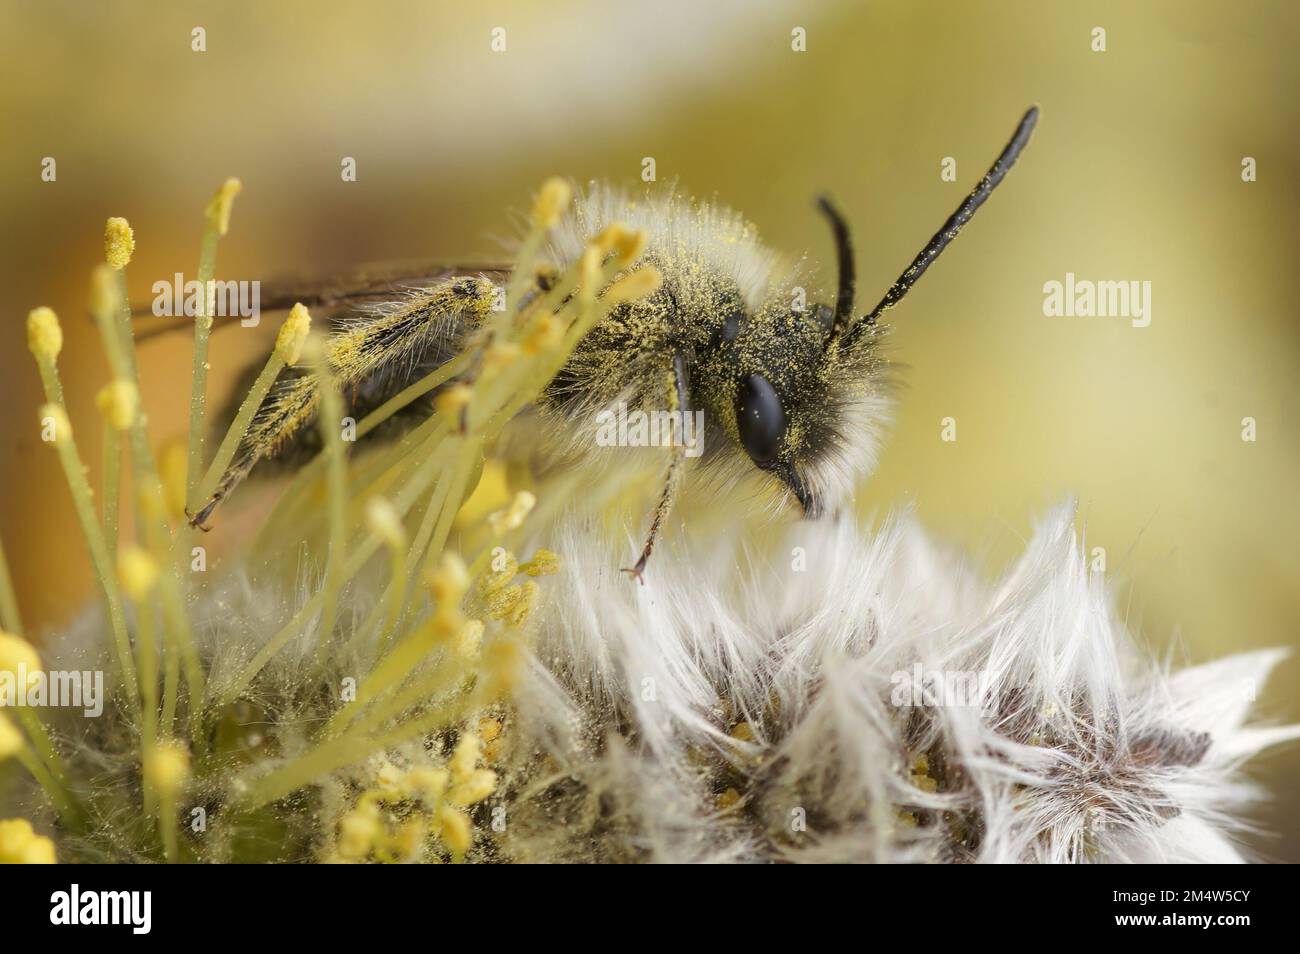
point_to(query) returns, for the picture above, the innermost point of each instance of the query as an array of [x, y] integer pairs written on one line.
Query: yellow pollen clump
[[44, 335], [138, 572], [218, 210], [11, 740], [20, 845], [167, 768], [385, 523], [543, 563], [293, 334], [552, 200], [119, 242], [118, 401]]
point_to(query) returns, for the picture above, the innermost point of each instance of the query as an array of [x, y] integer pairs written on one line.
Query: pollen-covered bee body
[[793, 394], [736, 323]]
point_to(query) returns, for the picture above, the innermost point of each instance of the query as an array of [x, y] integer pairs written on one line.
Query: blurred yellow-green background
[[1134, 174]]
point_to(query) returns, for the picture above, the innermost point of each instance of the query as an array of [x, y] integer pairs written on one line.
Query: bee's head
[[802, 395]]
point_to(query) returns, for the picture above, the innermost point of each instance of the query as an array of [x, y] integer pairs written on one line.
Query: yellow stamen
[[44, 334], [119, 242], [58, 420], [543, 563], [451, 400], [167, 768], [644, 281], [20, 845], [218, 210], [11, 740], [118, 402], [514, 516], [138, 572], [293, 334], [552, 200]]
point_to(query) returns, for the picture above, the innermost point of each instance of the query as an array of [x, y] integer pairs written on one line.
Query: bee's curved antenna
[[951, 228], [844, 252]]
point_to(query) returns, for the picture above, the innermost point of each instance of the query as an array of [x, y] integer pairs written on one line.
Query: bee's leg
[[676, 393]]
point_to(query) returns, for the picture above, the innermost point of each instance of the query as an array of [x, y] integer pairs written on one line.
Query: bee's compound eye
[[760, 418]]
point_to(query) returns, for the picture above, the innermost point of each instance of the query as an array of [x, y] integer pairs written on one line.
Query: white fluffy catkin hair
[[778, 702]]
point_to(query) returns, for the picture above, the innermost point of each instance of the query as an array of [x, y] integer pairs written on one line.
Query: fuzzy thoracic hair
[[734, 308], [746, 706]]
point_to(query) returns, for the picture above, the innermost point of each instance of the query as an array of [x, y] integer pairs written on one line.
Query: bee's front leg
[[676, 397]]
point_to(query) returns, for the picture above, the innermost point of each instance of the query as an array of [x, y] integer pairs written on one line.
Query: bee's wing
[[346, 290]]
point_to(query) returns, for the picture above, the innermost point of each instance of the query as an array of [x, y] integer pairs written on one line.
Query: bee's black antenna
[[954, 224], [844, 251]]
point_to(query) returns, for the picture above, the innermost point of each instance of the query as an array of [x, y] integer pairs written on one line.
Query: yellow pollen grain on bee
[[218, 210], [138, 572], [291, 337], [44, 334], [553, 198], [118, 401], [119, 242]]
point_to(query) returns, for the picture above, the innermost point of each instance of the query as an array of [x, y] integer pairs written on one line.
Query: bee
[[792, 394]]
